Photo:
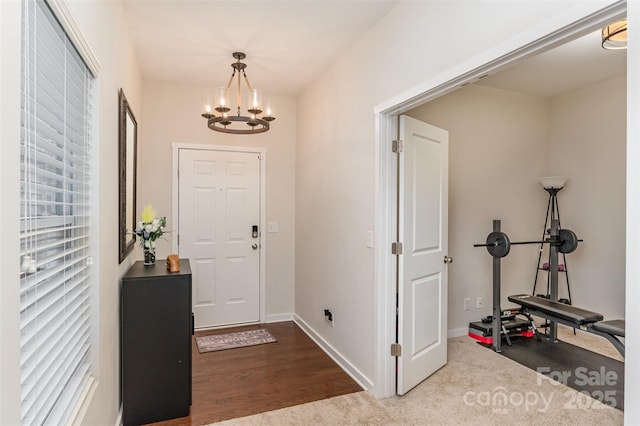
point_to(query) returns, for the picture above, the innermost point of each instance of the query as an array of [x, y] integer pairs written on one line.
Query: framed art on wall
[[127, 135]]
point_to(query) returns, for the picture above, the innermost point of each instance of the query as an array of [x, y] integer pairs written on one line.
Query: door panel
[[426, 194], [426, 293], [219, 203], [423, 199]]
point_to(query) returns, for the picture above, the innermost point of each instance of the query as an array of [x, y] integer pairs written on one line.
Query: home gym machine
[[560, 241]]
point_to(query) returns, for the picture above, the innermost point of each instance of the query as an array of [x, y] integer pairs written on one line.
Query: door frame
[[175, 197], [578, 21]]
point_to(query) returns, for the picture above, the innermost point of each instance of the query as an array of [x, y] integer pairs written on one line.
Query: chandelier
[[224, 122]]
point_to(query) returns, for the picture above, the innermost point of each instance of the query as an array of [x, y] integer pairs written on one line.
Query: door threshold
[[221, 327]]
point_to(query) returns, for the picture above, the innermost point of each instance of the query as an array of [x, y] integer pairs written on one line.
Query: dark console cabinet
[[155, 331]]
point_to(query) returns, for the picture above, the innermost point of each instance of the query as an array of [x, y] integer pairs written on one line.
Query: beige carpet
[[476, 387]]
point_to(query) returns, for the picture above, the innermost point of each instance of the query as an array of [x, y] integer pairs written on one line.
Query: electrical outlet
[[467, 304], [328, 315], [479, 303]]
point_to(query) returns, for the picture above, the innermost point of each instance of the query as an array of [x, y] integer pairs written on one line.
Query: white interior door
[[219, 204], [422, 299]]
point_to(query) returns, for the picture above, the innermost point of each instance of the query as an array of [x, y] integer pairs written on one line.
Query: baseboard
[[119, 418], [457, 332], [348, 368], [278, 318]]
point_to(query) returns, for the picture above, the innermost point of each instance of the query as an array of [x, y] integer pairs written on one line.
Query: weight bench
[[573, 317]]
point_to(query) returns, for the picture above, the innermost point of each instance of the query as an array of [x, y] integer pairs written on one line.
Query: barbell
[[499, 245]]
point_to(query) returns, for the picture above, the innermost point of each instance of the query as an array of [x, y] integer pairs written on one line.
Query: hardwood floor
[[241, 382]]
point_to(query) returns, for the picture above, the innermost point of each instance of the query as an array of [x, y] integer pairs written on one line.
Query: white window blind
[[56, 277]]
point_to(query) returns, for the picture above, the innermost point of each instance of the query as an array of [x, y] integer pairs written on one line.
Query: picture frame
[[127, 169]]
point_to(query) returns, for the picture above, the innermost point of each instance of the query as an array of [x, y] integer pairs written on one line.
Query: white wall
[[335, 192], [103, 26], [106, 30], [171, 114], [498, 144], [588, 144]]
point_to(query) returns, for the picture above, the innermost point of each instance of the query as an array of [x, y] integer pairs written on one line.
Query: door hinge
[[397, 146], [396, 248], [178, 237], [396, 349]]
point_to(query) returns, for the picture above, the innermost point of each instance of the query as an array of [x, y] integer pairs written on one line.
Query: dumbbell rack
[[553, 213]]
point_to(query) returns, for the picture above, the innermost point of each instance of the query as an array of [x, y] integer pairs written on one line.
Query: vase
[[149, 256]]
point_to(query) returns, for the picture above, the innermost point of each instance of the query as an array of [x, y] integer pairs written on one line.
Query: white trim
[[175, 148], [279, 318], [579, 20], [10, 115], [63, 14], [632, 273], [576, 22], [80, 410], [385, 262], [228, 148], [336, 356]]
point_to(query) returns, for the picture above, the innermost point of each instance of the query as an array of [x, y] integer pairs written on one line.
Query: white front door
[[422, 273], [218, 208]]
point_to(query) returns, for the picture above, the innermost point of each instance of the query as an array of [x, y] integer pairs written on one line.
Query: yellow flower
[[148, 214]]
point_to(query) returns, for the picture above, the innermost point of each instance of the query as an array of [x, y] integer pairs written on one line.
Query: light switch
[[369, 239], [273, 226]]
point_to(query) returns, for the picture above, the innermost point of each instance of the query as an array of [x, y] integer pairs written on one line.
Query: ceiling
[[290, 42], [579, 63]]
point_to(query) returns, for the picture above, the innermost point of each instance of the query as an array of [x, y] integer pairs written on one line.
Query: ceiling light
[[614, 36], [224, 122]]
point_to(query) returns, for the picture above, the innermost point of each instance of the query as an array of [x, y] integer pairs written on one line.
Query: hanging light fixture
[[223, 122], [614, 36]]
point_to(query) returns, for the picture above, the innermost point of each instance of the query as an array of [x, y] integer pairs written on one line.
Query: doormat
[[238, 339], [588, 372]]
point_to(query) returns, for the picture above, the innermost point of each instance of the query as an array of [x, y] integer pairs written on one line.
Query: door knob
[[448, 259], [254, 246]]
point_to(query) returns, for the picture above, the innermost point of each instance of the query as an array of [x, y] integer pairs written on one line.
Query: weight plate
[[498, 244], [568, 241]]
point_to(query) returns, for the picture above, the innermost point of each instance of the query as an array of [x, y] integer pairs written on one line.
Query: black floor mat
[[585, 371]]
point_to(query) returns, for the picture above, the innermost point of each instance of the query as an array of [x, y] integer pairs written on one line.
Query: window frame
[[76, 42]]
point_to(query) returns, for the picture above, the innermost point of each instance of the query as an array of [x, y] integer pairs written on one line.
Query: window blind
[[56, 273]]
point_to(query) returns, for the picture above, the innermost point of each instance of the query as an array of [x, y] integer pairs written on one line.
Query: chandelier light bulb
[[255, 102], [225, 120], [269, 113], [222, 102], [206, 106]]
